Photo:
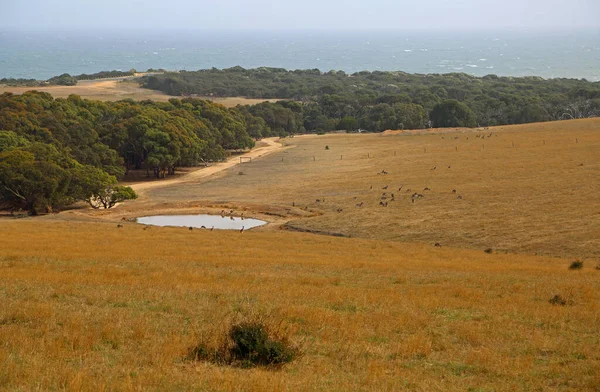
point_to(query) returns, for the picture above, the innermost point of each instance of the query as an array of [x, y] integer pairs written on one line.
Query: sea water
[[43, 54]]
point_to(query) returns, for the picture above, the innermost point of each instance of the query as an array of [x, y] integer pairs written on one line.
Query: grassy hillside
[[88, 306], [530, 198]]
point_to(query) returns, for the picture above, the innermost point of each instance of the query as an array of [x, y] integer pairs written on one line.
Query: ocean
[[43, 54]]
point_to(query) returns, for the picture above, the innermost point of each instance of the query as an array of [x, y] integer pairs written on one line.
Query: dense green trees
[[54, 152], [378, 100], [63, 80], [451, 113]]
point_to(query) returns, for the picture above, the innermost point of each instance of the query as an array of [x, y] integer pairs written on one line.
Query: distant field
[[530, 198], [115, 90], [90, 306]]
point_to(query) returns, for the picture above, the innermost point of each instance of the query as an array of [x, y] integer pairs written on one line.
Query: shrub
[[558, 300], [488, 250], [576, 265], [327, 147], [246, 344], [252, 346]]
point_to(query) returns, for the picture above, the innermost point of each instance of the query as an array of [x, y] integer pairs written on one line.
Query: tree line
[[376, 101], [54, 152], [65, 79]]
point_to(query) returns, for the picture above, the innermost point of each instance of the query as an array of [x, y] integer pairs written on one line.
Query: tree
[[410, 116], [451, 113], [348, 124], [109, 197], [34, 177], [63, 80], [10, 139], [91, 185]]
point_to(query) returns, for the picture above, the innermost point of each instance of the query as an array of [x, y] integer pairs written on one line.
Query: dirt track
[[272, 145]]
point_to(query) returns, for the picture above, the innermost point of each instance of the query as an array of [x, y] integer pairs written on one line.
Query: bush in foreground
[[247, 344], [576, 265]]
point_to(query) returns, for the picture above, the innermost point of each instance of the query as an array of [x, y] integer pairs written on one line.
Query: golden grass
[[102, 90], [530, 198], [87, 306]]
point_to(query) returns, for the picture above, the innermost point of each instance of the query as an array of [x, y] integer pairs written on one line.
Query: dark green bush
[[558, 300], [576, 265], [252, 346], [247, 344]]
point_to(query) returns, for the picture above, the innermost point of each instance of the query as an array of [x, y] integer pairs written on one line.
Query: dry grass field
[[119, 89], [530, 198], [89, 306]]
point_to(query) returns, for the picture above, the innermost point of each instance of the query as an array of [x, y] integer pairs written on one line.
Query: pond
[[202, 221]]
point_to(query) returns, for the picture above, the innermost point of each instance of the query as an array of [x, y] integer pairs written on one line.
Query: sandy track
[[272, 145]]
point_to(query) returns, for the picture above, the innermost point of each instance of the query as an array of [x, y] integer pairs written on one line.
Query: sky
[[302, 14]]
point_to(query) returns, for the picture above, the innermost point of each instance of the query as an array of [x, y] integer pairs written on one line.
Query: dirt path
[[272, 145]]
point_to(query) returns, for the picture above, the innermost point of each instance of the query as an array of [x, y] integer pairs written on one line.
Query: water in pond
[[197, 221]]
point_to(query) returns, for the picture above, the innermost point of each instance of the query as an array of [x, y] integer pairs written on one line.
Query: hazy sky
[[303, 14]]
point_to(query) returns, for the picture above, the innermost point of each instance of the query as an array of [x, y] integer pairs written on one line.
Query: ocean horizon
[[41, 54]]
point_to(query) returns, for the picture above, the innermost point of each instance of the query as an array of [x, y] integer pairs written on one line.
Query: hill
[[93, 301]]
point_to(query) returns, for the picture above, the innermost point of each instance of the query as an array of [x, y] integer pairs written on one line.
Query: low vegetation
[[576, 265], [246, 344]]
